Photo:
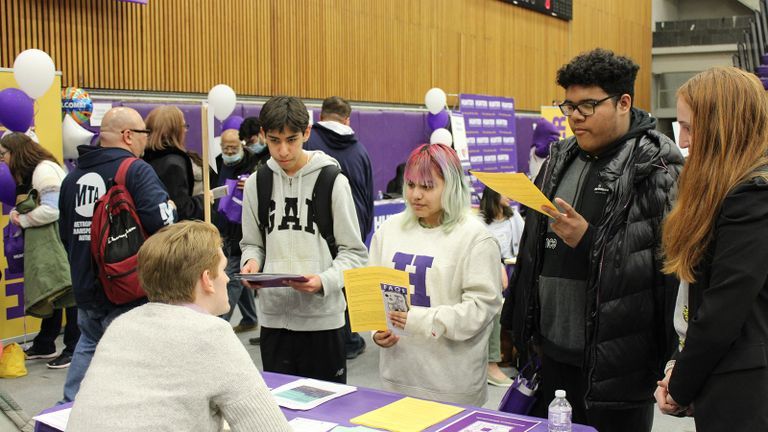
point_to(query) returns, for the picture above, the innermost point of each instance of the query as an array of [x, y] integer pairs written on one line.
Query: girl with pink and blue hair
[[455, 278]]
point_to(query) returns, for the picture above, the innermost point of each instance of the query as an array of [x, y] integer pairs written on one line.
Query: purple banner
[[491, 134], [383, 210], [15, 289]]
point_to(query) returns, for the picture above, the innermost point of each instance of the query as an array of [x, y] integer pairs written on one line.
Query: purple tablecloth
[[342, 409]]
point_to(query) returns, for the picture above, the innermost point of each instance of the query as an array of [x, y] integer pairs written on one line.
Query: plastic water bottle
[[379, 195], [559, 419]]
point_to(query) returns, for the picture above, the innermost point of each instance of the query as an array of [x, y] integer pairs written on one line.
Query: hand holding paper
[[516, 186], [569, 226]]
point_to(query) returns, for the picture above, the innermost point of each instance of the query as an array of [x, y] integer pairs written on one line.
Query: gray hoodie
[[296, 246]]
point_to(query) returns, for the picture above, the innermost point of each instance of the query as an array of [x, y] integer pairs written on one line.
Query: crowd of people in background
[[644, 283]]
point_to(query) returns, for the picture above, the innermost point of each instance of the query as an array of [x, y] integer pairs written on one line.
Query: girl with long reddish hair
[[715, 242], [455, 274], [167, 154]]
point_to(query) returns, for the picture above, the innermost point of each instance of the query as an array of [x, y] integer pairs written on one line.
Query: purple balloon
[[16, 110], [439, 120], [232, 122], [7, 186]]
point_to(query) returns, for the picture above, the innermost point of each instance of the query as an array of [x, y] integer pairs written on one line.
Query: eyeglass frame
[[575, 107], [144, 131]]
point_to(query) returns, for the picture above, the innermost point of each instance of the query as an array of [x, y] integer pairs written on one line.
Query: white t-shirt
[[508, 233]]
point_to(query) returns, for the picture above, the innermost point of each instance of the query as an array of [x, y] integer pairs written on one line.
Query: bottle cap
[[560, 393]]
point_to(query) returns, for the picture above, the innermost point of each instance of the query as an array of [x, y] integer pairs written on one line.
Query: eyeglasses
[[3, 153], [144, 131], [586, 108]]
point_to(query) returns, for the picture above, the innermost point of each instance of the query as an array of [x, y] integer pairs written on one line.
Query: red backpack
[[116, 236]]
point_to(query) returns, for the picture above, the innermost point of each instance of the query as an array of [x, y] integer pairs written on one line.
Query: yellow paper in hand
[[516, 186], [364, 298], [407, 415]]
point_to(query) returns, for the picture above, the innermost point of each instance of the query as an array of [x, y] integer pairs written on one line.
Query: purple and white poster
[[491, 135], [477, 421]]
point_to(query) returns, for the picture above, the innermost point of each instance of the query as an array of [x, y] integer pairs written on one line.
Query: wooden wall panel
[[388, 51]]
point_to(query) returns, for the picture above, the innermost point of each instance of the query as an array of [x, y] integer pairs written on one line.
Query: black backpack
[[321, 203]]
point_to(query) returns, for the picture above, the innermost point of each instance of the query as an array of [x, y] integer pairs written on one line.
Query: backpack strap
[[264, 196], [122, 171], [322, 204]]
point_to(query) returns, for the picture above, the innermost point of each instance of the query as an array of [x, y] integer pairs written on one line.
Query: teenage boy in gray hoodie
[[302, 323]]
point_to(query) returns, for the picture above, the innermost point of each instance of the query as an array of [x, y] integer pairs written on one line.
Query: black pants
[[312, 354], [45, 341], [562, 376]]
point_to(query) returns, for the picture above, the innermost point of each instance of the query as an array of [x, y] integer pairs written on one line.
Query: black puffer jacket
[[629, 306]]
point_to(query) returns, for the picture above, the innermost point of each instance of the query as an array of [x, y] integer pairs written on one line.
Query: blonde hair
[[168, 128], [172, 260], [729, 140]]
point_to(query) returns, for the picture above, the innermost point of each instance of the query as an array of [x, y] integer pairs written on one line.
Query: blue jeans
[[238, 294], [92, 325]]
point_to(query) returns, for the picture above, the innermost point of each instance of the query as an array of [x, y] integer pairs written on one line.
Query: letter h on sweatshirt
[[418, 278]]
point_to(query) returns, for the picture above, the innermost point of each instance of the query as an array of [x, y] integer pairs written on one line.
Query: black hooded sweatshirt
[[355, 164]]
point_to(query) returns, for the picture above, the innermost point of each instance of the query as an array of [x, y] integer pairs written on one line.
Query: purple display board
[[491, 133]]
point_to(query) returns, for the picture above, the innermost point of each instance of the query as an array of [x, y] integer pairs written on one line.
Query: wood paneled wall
[[364, 50]]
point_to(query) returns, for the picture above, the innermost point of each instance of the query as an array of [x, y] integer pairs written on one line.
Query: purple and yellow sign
[[554, 116]]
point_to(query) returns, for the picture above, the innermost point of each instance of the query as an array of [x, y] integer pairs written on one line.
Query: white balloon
[[435, 100], [441, 136], [30, 133], [34, 72], [73, 135], [223, 100]]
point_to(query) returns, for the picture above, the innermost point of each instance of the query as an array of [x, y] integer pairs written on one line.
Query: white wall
[[703, 9], [663, 10]]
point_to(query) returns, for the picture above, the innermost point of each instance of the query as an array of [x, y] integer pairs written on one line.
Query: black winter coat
[[174, 167], [723, 368], [629, 306]]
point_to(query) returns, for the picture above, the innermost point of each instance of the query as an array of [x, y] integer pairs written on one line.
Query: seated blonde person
[[172, 364]]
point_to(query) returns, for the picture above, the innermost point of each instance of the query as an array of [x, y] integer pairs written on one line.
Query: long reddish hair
[[729, 143]]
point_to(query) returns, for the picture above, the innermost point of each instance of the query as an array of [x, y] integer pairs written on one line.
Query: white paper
[[306, 393], [459, 132], [55, 419], [214, 147], [219, 192], [300, 424], [99, 109]]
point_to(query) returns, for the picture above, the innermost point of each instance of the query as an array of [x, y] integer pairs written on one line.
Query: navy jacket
[[355, 164], [96, 166]]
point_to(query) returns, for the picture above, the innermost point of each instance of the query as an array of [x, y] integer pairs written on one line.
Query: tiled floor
[[42, 387]]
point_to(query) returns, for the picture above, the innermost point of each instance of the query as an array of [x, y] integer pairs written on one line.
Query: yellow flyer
[[516, 186], [371, 292]]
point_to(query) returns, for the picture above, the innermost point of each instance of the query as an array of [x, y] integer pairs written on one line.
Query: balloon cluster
[[438, 117], [34, 72]]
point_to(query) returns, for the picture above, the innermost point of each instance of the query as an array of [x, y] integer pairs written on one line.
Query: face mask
[[256, 147], [233, 159]]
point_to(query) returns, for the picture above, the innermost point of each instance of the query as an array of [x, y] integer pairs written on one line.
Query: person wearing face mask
[[254, 142], [233, 162]]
